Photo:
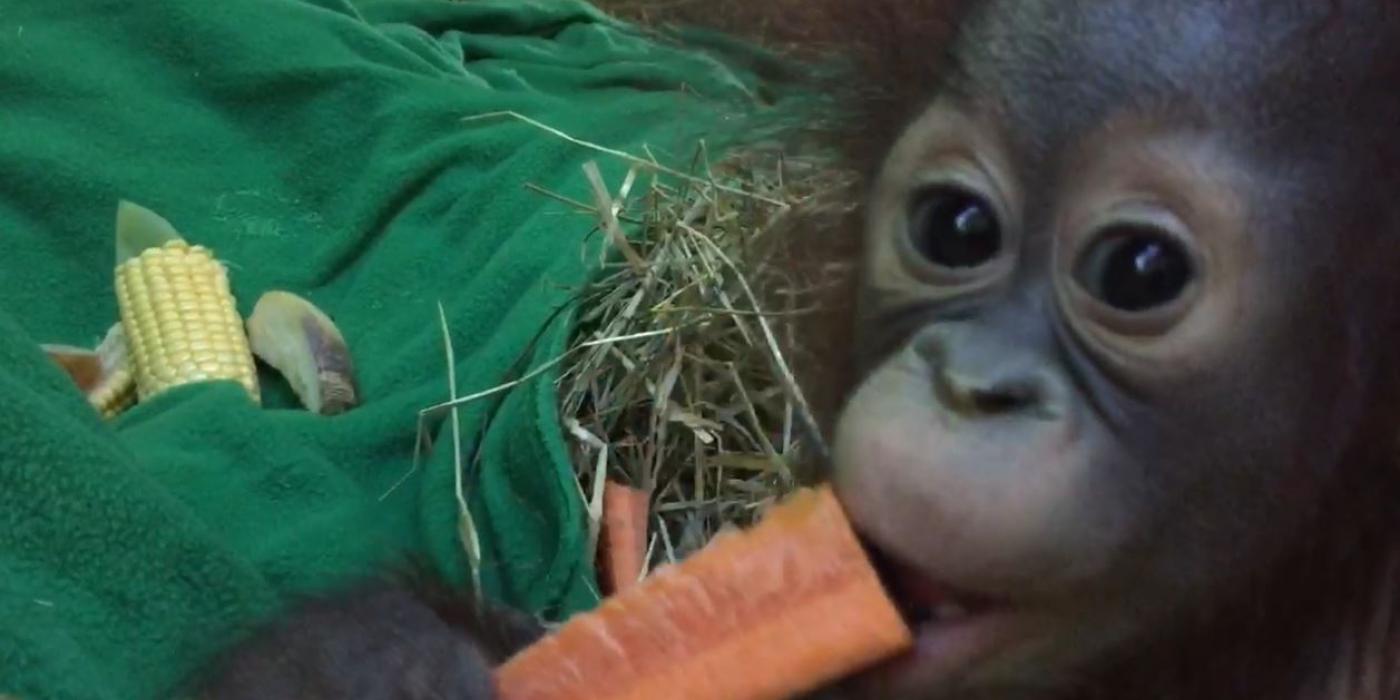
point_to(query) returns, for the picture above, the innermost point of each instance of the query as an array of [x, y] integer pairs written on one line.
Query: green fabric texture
[[318, 147]]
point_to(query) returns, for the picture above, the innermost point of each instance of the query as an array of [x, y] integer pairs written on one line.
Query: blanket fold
[[315, 146]]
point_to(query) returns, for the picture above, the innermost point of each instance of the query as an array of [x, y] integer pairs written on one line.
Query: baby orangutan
[[1117, 404]]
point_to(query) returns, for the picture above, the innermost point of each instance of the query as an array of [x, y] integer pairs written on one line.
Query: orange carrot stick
[[784, 608], [624, 536]]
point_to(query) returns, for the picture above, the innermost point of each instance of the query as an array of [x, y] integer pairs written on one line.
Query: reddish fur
[[896, 46]]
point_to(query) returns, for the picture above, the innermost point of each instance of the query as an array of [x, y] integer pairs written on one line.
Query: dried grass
[[676, 380], [680, 385]]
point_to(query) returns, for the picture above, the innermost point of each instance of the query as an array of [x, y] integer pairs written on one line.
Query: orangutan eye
[[954, 228], [1134, 268]]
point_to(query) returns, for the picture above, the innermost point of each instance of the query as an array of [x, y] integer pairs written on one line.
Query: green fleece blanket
[[316, 146]]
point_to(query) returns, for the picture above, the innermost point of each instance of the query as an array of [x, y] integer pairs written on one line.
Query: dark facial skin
[[1123, 317]]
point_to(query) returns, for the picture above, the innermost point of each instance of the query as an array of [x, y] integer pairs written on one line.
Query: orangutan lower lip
[[922, 599], [953, 630], [943, 651]]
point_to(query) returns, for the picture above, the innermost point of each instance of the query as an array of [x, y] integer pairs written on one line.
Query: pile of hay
[[677, 381]]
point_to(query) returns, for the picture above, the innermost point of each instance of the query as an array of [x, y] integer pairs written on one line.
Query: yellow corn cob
[[103, 375], [116, 396], [117, 390], [181, 322]]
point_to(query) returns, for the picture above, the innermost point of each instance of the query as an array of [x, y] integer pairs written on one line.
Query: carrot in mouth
[[781, 609]]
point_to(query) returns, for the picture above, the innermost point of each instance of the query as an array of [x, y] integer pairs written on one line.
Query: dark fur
[[402, 637]]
